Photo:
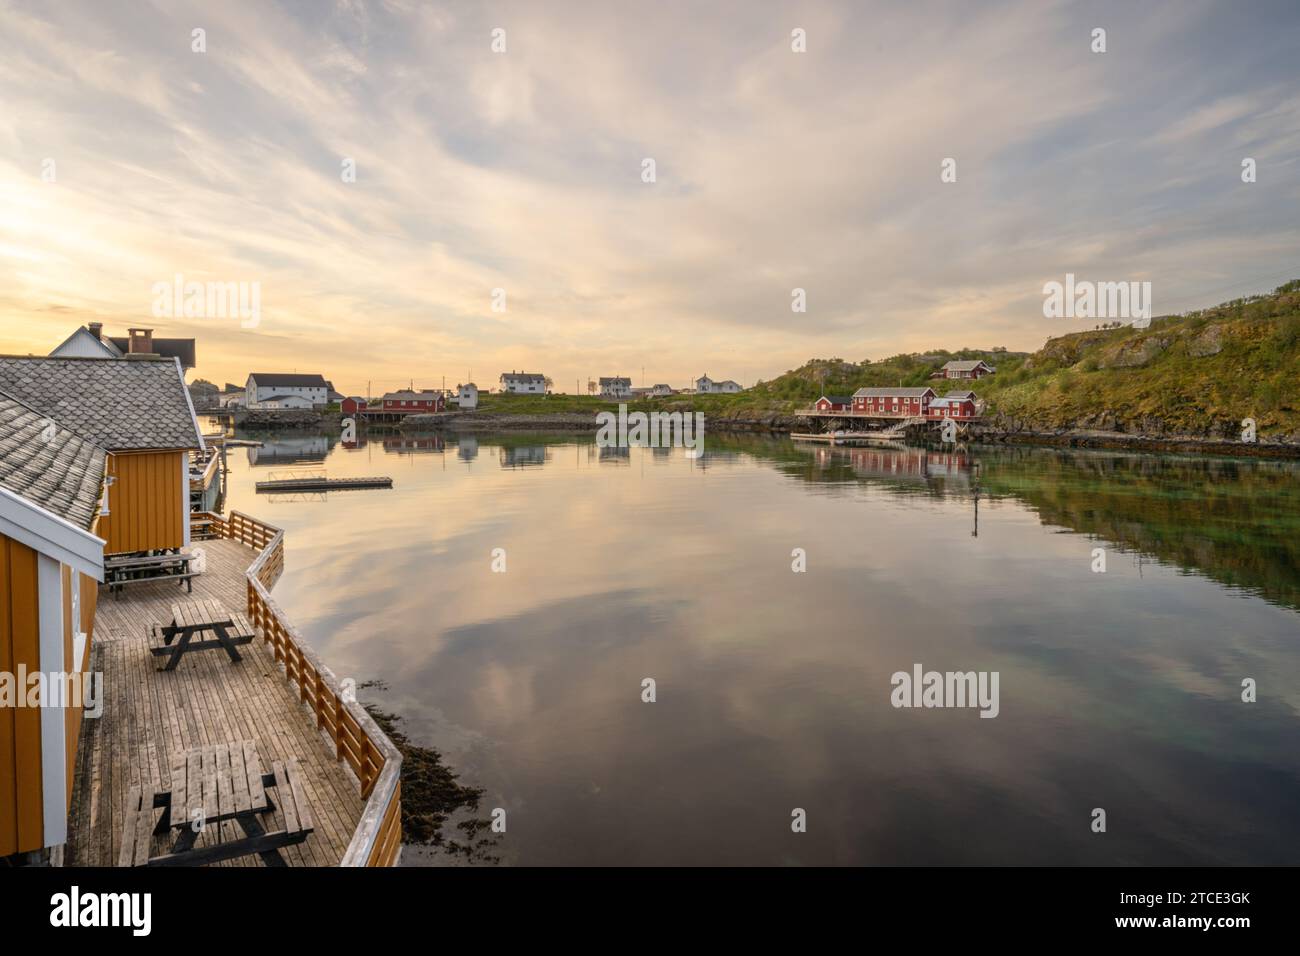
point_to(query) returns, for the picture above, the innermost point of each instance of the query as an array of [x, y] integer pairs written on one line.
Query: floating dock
[[322, 484], [217, 438], [849, 438]]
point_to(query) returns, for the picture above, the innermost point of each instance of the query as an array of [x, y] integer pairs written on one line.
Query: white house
[[232, 399], [615, 387], [523, 383], [705, 385], [467, 396], [261, 387]]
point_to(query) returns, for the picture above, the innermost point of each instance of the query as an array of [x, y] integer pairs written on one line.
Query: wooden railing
[[357, 738]]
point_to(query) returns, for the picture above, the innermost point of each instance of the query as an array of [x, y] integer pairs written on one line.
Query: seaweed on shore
[[431, 794]]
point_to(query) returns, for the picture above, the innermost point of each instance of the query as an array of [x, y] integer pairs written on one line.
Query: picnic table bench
[[211, 785], [122, 570], [191, 618], [202, 529]]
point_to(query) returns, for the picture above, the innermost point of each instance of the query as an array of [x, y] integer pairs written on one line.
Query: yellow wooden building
[[93, 461], [137, 408], [51, 560]]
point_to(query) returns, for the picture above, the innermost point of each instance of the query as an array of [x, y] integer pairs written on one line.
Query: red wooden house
[[955, 405], [834, 403], [961, 368], [412, 403], [353, 405], [893, 402]]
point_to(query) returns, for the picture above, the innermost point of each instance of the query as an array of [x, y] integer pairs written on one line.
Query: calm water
[[1118, 690]]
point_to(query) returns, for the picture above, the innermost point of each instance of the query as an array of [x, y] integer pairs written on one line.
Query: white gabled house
[[523, 383], [706, 386], [615, 387], [279, 390]]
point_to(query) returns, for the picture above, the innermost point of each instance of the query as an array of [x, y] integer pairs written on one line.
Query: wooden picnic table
[[121, 570], [191, 618], [211, 785]]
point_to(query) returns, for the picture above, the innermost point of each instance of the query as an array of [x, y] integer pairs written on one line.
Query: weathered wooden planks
[[151, 715]]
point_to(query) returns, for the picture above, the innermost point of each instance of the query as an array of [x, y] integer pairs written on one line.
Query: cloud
[[521, 170]]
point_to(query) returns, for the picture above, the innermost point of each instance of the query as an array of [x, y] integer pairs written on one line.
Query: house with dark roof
[[964, 369], [615, 386], [834, 403], [271, 389], [523, 383], [89, 341], [138, 410], [408, 402], [707, 386], [51, 561]]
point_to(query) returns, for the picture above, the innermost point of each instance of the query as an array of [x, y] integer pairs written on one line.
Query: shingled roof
[[118, 404], [49, 465]]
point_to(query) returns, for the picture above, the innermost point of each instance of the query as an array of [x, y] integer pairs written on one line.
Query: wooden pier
[[281, 696]]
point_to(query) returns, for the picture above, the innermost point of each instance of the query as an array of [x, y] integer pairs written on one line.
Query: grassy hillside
[[1197, 374], [1194, 374]]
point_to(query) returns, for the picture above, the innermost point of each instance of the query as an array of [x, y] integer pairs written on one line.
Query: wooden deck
[[149, 714]]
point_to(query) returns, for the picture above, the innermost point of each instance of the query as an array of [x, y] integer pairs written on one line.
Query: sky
[[129, 157]]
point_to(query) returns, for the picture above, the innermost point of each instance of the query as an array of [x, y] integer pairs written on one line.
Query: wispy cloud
[[521, 170]]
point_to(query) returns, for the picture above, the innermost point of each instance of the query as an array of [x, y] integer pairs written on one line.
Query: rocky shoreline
[[999, 432], [567, 421], [1016, 434], [1186, 444]]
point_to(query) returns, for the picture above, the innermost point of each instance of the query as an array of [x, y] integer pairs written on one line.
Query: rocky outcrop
[[264, 418], [1134, 353], [1209, 341]]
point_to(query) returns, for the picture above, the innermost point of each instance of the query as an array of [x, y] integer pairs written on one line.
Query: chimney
[[141, 341], [95, 328]]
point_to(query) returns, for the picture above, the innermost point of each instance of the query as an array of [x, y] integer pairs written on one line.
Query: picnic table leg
[[163, 800], [224, 638], [185, 837], [253, 829], [186, 635]]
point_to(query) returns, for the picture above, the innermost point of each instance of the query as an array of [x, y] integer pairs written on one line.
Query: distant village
[[271, 391], [311, 390]]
